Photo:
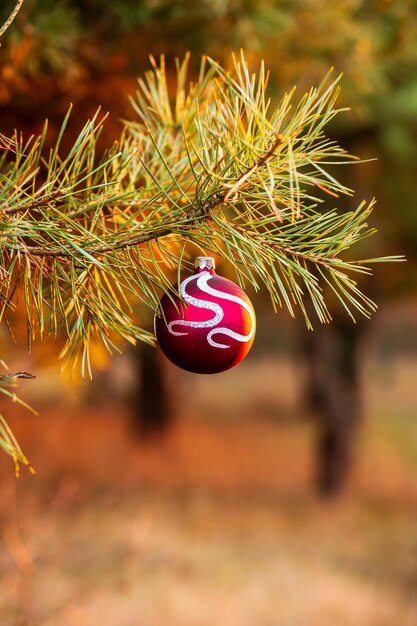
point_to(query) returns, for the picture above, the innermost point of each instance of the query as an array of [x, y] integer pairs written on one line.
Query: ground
[[216, 524]]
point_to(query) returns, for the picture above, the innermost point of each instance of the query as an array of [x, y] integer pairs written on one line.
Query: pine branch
[[86, 241], [8, 441], [215, 166], [202, 211]]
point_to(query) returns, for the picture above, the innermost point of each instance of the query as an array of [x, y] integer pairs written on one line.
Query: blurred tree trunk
[[334, 396], [332, 352], [152, 416]]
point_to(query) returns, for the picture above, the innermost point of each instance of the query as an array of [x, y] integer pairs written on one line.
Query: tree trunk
[[334, 395], [152, 416]]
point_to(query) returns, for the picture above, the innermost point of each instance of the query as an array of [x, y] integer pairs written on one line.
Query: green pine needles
[[215, 167]]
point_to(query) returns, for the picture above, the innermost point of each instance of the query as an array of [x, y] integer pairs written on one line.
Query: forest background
[[213, 489]]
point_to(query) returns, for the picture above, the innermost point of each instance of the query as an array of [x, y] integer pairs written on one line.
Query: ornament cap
[[204, 263]]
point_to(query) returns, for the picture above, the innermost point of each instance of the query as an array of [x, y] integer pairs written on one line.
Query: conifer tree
[[213, 166]]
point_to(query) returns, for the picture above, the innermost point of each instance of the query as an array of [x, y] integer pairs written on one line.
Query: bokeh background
[[282, 492]]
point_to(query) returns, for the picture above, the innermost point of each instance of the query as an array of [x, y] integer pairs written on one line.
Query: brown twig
[[201, 211], [7, 377], [6, 209], [304, 256], [11, 17], [244, 176]]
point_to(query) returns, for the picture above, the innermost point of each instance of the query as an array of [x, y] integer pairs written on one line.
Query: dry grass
[[216, 524]]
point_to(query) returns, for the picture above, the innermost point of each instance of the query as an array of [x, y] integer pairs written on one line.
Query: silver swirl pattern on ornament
[[202, 283]]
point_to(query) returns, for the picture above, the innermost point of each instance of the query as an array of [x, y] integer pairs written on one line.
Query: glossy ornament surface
[[211, 327]]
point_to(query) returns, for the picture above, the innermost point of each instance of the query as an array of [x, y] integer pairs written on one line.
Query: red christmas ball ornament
[[211, 327]]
